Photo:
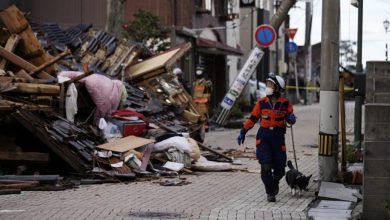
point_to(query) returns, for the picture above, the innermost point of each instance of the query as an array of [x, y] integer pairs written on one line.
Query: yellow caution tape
[[346, 88]]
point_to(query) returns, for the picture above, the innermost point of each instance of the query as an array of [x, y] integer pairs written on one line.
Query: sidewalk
[[227, 195]]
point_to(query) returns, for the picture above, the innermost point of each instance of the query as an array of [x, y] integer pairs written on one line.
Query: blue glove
[[291, 119], [241, 137]]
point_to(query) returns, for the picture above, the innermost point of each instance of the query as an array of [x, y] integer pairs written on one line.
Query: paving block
[[336, 191]]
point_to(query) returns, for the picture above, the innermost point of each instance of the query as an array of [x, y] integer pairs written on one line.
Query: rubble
[[90, 104]]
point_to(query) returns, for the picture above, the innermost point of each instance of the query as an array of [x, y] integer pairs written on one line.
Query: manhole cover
[[159, 215]]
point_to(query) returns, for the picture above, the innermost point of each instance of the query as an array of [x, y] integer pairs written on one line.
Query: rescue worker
[[273, 111], [202, 95], [179, 74]]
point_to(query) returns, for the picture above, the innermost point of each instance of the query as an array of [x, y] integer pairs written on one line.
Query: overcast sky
[[374, 36]]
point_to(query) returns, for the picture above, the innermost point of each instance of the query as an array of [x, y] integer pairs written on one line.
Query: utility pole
[[359, 83], [309, 18], [329, 93]]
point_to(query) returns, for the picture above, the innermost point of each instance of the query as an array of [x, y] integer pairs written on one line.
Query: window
[[204, 6], [208, 5]]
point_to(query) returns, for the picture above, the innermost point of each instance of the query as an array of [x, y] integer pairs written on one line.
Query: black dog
[[296, 180]]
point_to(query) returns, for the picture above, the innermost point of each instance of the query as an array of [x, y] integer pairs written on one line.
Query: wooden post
[[10, 46], [343, 132]]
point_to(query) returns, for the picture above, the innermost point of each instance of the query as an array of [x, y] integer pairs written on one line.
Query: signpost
[[291, 47], [291, 32], [265, 35]]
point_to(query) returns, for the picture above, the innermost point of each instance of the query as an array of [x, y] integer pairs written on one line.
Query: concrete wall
[[377, 140]]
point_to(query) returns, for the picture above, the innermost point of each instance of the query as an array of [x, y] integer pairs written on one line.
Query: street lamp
[[386, 24]]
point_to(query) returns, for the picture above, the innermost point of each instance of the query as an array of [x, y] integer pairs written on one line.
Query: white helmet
[[277, 80], [177, 71]]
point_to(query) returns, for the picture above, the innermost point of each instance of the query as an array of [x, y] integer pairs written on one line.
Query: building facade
[[201, 22]]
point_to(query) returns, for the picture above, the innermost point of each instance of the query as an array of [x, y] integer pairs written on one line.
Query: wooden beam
[[10, 46], [22, 63], [31, 49], [18, 185], [50, 62], [24, 156], [9, 79], [9, 191], [204, 147], [24, 74], [41, 89]]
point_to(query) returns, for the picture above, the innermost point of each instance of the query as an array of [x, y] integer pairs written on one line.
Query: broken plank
[[214, 151], [10, 46], [50, 62], [31, 177], [9, 191], [18, 185], [16, 23], [24, 156], [8, 79], [24, 74], [22, 63], [40, 89], [125, 144]]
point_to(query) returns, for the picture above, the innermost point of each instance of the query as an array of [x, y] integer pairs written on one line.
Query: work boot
[[271, 198]]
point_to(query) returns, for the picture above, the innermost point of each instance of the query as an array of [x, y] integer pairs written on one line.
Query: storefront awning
[[217, 48]]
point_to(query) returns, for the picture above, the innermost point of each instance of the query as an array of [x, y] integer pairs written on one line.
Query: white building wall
[[233, 40]]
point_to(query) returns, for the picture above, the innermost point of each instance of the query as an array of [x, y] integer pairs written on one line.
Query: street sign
[[239, 84], [291, 32], [265, 35], [291, 47], [242, 78]]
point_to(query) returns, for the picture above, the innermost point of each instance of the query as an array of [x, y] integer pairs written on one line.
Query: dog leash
[[295, 156]]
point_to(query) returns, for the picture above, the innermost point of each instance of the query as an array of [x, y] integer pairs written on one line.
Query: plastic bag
[[180, 143], [71, 102], [109, 129], [205, 165]]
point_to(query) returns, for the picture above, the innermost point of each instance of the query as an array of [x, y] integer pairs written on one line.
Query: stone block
[[375, 186], [377, 150], [375, 113], [378, 69], [382, 85], [381, 98], [369, 97], [375, 204], [377, 132], [369, 85], [376, 168], [374, 215]]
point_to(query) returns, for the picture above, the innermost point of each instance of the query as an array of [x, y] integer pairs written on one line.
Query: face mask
[[269, 91]]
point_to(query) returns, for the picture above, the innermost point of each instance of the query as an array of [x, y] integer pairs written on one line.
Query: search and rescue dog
[[296, 180]]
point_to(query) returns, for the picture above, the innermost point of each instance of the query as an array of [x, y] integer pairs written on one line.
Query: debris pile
[[81, 101]]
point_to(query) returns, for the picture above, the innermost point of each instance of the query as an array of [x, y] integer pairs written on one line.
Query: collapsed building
[[79, 100]]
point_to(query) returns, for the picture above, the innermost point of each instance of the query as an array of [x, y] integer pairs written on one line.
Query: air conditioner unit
[[355, 3]]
